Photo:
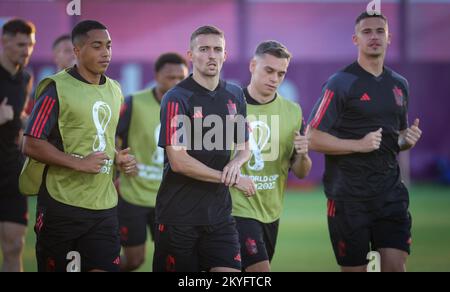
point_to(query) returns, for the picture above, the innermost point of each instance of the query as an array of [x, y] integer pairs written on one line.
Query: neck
[[208, 82], [8, 65], [93, 78], [262, 99], [372, 65], [159, 94]]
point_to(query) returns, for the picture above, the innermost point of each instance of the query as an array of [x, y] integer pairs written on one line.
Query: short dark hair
[[273, 48], [81, 29], [365, 15], [16, 25], [169, 58], [206, 29], [64, 37]]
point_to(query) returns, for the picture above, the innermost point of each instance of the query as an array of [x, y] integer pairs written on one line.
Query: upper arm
[[331, 103], [327, 110], [404, 117], [44, 115], [242, 128], [125, 120], [173, 121], [177, 156]]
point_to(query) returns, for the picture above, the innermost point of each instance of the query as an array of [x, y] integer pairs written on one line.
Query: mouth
[[104, 63], [271, 87], [374, 45]]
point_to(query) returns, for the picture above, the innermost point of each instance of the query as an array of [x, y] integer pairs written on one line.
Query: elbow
[[303, 174], [26, 149], [177, 167], [313, 145]]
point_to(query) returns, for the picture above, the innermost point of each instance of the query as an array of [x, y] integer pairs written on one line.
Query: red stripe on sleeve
[[174, 140], [47, 115], [323, 108], [38, 119]]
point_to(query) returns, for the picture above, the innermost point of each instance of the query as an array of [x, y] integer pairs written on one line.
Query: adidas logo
[[365, 97]]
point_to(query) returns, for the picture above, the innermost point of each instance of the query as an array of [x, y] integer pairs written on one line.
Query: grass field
[[304, 245]]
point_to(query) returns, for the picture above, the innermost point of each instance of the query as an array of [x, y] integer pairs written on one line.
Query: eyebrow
[[100, 42], [273, 69]]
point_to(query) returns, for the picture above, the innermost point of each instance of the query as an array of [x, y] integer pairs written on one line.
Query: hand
[[301, 144], [231, 174], [247, 186], [413, 134], [6, 112], [93, 163], [126, 162], [371, 142]]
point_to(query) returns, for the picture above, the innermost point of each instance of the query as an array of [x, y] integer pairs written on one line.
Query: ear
[[355, 39], [252, 65], [189, 55], [76, 51], [389, 38], [225, 55], [5, 39], [157, 75]]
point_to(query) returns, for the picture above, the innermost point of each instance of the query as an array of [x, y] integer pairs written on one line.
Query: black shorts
[[257, 240], [134, 221], [356, 228], [13, 205], [95, 239], [196, 248]]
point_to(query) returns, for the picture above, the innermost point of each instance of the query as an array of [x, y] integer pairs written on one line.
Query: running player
[[258, 217], [139, 128], [193, 208], [72, 134], [63, 54], [18, 40], [360, 124]]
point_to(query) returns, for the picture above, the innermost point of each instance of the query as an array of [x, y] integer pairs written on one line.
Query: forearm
[[46, 153], [302, 166], [242, 156], [328, 144], [186, 165]]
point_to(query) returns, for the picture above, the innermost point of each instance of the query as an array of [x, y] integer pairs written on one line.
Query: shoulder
[[27, 76], [398, 79], [291, 107], [343, 80], [142, 94], [176, 94], [235, 91]]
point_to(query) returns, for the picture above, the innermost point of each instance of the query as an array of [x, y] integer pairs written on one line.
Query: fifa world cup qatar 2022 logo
[[101, 115]]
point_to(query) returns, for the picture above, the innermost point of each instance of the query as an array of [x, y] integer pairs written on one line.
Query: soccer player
[[63, 54], [258, 217], [18, 40], [71, 140], [139, 128], [360, 124], [193, 207]]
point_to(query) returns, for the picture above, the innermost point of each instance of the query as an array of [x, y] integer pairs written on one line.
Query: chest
[[15, 91], [375, 100]]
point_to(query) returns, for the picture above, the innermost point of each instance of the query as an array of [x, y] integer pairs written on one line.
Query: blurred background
[[318, 33]]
